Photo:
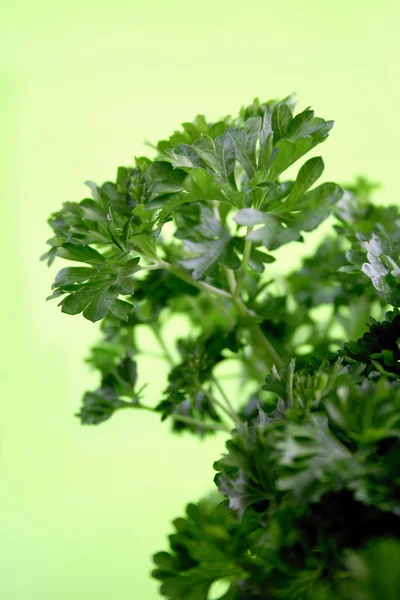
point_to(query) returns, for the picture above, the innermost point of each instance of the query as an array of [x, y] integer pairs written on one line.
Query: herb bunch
[[307, 503]]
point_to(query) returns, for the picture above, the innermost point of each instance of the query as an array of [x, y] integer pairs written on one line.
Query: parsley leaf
[[308, 488]]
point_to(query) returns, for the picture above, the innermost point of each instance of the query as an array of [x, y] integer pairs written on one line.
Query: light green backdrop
[[82, 85]]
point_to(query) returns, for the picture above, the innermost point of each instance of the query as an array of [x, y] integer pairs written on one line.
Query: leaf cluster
[[308, 503]]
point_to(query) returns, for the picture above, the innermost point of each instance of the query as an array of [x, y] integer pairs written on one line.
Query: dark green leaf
[[281, 119], [80, 254], [307, 176], [244, 150]]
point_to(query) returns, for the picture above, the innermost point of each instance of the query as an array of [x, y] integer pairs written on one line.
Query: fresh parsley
[[307, 504]]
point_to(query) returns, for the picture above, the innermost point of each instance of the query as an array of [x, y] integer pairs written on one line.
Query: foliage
[[308, 502]]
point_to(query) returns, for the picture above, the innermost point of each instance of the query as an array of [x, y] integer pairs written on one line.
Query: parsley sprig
[[308, 489]]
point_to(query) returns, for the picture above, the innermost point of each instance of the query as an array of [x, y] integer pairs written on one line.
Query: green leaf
[[226, 148], [184, 155], [288, 152], [252, 128], [206, 150], [307, 176], [378, 259], [285, 223], [201, 185], [73, 275], [374, 344], [209, 253], [185, 394], [95, 292], [309, 479], [121, 309], [201, 553], [267, 153], [281, 119], [300, 124], [80, 254], [244, 149], [205, 237], [250, 217], [165, 179], [94, 303]]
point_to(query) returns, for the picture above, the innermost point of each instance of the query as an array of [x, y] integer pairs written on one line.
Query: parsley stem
[[154, 267], [185, 419], [231, 279], [231, 413], [268, 351], [130, 337], [163, 345], [201, 285], [225, 397], [243, 267], [198, 423], [261, 341]]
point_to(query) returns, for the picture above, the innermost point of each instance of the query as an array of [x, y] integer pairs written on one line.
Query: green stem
[[231, 413], [155, 267], [223, 309], [140, 406], [254, 368], [198, 423], [130, 337], [225, 397], [196, 308], [201, 285], [231, 279], [163, 345], [243, 267], [185, 419], [265, 347]]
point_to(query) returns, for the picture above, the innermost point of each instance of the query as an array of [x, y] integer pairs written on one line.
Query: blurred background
[[82, 85]]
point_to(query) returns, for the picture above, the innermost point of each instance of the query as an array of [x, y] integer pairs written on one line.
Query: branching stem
[[188, 420], [163, 345], [225, 397], [231, 413], [201, 285], [198, 423], [249, 319], [265, 347], [243, 268]]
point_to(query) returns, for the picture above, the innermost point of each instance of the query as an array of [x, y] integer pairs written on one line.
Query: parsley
[[308, 491]]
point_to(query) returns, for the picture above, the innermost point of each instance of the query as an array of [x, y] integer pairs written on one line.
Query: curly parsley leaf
[[287, 222], [95, 291], [310, 475], [117, 391], [190, 382], [207, 546]]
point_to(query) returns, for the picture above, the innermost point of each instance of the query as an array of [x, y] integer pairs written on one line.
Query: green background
[[82, 85]]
